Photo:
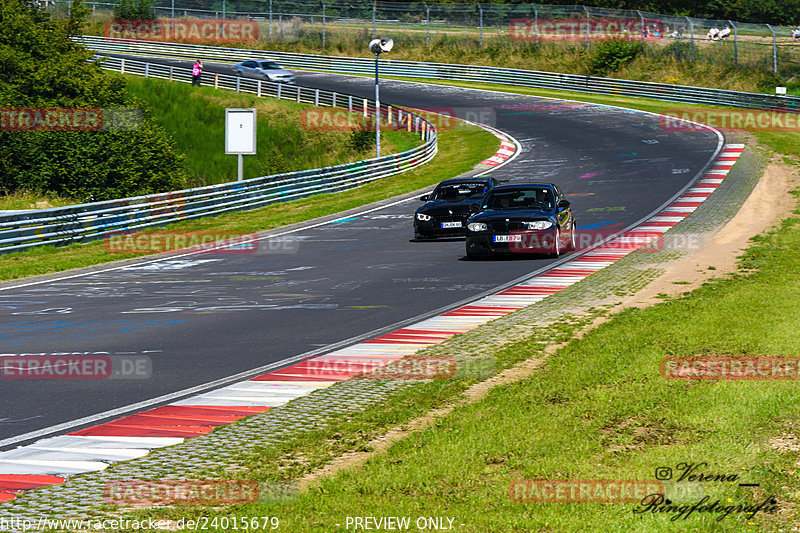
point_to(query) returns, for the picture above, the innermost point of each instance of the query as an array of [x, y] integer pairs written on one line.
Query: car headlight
[[423, 217], [539, 224], [477, 226]]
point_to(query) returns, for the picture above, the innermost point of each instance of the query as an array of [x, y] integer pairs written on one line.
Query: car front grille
[[501, 226], [451, 218]]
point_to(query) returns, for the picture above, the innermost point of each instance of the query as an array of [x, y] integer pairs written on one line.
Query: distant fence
[[447, 71], [326, 22], [86, 222]]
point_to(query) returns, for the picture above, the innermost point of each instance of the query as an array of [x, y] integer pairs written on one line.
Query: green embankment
[[196, 120], [459, 151], [597, 409]]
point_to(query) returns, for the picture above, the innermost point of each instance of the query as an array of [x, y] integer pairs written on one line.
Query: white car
[[264, 69]]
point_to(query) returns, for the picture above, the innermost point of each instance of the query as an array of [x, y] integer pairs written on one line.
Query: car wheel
[[572, 239], [472, 255], [556, 244]]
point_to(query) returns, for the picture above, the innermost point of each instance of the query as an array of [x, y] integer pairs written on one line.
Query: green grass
[[23, 200], [785, 143], [597, 409], [196, 120], [665, 61], [459, 151], [600, 410]]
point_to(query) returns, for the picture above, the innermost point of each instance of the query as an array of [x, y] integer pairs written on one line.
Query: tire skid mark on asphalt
[[53, 460]]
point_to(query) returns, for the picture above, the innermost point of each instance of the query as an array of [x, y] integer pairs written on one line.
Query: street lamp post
[[377, 47]]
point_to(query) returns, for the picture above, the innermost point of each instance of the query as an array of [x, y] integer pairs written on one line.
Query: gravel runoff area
[[212, 455]]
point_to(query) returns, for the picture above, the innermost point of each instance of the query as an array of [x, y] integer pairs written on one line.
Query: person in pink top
[[197, 71]]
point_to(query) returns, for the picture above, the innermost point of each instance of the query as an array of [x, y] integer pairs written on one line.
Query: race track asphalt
[[206, 317]]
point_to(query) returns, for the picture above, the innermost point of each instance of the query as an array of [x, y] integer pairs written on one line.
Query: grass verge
[[786, 143], [284, 144], [666, 61], [459, 151], [600, 410], [597, 409]]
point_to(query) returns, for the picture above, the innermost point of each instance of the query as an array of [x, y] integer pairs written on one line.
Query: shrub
[[134, 10], [41, 67], [610, 55], [91, 166], [680, 50], [362, 139]]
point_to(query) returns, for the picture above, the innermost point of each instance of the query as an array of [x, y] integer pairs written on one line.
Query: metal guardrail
[[446, 71], [90, 221], [325, 22]]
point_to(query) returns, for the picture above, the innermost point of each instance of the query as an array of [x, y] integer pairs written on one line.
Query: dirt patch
[[787, 442], [771, 195], [473, 394]]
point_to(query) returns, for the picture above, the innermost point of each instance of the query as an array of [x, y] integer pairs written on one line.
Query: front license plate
[[451, 224], [508, 238]]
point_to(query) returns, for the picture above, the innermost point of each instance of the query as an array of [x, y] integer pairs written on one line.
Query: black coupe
[[448, 207], [522, 218]]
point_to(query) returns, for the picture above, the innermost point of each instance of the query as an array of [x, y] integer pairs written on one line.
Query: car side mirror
[[423, 198], [563, 204]]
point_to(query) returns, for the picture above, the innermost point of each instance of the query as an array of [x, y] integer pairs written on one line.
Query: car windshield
[[455, 192], [267, 65], [520, 199]]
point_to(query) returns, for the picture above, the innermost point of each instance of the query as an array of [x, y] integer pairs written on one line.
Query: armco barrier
[[446, 71], [85, 222]]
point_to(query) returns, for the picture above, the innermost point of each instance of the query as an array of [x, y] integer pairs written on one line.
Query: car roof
[[522, 186], [466, 180]]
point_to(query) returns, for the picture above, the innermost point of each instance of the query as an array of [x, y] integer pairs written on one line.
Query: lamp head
[[380, 45]]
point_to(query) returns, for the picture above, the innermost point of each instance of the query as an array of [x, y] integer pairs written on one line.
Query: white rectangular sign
[[240, 131]]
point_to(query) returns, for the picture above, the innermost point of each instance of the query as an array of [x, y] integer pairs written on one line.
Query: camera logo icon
[[663, 473]]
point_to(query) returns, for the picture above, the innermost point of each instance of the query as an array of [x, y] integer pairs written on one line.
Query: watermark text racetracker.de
[[86, 119], [184, 30], [199, 523], [582, 490], [719, 368], [155, 242], [412, 367], [442, 118], [75, 366], [140, 492], [692, 120], [189, 492], [533, 241], [579, 29]]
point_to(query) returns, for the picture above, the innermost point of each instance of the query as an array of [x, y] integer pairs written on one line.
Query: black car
[[448, 207], [523, 218]]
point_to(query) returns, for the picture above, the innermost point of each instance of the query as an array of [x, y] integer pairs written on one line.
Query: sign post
[[240, 134]]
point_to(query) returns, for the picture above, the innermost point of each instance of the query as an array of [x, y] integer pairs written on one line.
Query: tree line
[[69, 127]]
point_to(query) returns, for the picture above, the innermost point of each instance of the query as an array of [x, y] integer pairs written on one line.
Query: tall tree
[[42, 67]]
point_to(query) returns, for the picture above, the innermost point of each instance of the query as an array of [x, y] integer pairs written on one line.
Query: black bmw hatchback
[[523, 218], [448, 207]]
